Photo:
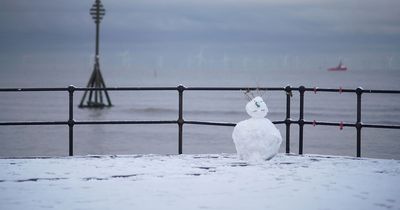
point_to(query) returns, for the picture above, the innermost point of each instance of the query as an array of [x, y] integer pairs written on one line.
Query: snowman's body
[[257, 138]]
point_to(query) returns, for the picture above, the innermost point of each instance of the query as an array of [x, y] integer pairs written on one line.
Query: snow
[[219, 181], [257, 138], [257, 108]]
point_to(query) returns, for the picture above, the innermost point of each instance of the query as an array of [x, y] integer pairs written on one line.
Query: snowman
[[257, 138]]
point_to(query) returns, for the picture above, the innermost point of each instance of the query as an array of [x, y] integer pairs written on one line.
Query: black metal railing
[[288, 90]]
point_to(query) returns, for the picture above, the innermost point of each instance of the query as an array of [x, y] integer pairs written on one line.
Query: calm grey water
[[210, 106]]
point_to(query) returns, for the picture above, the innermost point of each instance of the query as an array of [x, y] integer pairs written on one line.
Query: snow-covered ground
[[199, 182]]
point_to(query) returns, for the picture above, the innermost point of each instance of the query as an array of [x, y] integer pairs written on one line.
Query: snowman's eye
[[257, 104]]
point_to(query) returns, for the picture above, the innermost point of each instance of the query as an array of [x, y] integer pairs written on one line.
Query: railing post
[[180, 121], [288, 90], [71, 121], [359, 92], [301, 119]]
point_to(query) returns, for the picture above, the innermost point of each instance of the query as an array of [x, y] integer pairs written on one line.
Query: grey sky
[[154, 30]]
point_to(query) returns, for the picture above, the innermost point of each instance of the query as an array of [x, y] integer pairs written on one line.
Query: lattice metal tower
[[95, 97]]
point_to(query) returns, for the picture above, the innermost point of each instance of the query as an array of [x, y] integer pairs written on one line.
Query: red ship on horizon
[[340, 67]]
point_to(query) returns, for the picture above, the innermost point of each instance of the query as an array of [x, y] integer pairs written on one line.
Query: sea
[[219, 106]]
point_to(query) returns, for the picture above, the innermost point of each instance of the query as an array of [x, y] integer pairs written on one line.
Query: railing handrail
[[140, 89], [71, 122], [152, 88]]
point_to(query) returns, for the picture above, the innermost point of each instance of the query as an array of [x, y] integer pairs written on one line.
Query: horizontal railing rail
[[288, 90]]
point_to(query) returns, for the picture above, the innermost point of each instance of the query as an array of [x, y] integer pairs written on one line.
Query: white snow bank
[[199, 182]]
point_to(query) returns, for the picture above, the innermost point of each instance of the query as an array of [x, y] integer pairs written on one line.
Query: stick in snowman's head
[[256, 106]]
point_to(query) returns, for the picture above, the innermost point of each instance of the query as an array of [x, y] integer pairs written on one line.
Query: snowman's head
[[257, 108]]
